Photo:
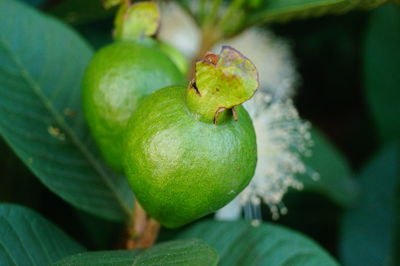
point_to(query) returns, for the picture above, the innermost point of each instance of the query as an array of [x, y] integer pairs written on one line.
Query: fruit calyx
[[221, 83], [135, 21]]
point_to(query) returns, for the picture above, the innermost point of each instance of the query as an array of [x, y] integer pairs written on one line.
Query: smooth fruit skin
[[181, 169], [117, 78]]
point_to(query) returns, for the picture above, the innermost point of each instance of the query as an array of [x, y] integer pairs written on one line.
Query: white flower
[[282, 139]]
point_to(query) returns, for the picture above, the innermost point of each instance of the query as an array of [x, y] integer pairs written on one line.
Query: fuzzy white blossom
[[282, 139]]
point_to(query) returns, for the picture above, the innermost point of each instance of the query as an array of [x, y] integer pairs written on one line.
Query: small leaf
[[335, 177], [369, 234], [41, 65], [382, 70], [179, 252], [26, 238], [239, 243]]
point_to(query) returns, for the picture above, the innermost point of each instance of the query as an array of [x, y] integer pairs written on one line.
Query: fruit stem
[[230, 13], [209, 38], [142, 230], [221, 82]]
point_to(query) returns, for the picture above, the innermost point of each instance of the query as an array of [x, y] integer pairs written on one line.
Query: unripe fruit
[[185, 154], [117, 78]]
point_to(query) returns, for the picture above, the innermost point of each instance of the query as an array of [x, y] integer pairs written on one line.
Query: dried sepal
[[222, 82]]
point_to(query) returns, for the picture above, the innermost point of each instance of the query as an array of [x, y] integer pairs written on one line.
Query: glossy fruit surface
[[117, 78], [180, 168]]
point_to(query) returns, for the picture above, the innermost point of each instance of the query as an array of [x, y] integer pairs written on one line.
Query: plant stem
[[142, 230], [232, 9], [212, 16], [213, 28], [215, 9], [202, 11], [150, 233], [209, 38]]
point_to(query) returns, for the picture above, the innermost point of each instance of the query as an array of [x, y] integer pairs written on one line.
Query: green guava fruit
[[189, 151], [117, 78]]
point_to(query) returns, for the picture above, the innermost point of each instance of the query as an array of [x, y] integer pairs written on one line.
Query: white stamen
[[282, 139]]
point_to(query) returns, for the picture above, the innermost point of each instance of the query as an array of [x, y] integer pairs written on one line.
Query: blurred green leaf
[[335, 177], [239, 243], [41, 65], [285, 10], [368, 234], [382, 70], [80, 12], [180, 252], [26, 238]]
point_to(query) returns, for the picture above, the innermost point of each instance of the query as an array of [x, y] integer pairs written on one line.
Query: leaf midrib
[[24, 73]]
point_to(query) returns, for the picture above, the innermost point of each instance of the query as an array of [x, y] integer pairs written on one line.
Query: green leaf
[[382, 70], [239, 243], [335, 180], [26, 238], [368, 231], [285, 10], [41, 65], [179, 252]]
